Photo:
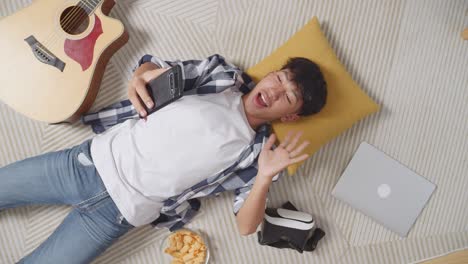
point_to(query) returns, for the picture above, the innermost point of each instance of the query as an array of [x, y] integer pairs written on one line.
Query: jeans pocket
[[122, 221], [84, 160]]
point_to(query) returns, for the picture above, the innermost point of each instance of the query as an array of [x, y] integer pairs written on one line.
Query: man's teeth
[[263, 99]]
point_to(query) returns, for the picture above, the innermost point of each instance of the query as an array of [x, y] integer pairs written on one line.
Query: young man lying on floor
[[150, 170]]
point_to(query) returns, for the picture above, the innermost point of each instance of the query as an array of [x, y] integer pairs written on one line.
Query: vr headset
[[286, 227]]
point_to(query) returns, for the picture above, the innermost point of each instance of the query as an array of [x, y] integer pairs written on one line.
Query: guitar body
[[55, 55]]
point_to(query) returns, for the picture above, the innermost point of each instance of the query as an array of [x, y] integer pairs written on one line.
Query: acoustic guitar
[[54, 55]]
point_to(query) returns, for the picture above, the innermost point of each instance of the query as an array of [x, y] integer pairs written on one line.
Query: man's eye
[[287, 97], [279, 79]]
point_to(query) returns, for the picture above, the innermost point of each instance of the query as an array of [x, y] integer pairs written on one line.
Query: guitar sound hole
[[74, 20]]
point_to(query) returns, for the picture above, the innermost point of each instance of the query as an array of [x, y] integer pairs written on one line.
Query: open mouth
[[260, 100]]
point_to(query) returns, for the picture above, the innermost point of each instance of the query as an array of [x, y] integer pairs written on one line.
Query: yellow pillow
[[346, 102]]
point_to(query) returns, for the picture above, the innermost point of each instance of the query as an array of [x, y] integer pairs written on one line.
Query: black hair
[[310, 81]]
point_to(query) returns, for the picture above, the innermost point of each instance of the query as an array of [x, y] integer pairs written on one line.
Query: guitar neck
[[89, 5]]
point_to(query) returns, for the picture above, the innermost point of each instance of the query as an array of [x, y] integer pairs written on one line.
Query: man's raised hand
[[271, 162]]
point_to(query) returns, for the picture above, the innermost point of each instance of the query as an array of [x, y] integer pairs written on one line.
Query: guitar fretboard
[[89, 5]]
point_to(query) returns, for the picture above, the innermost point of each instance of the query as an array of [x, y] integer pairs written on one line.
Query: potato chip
[[199, 259], [196, 245], [188, 257], [185, 249], [188, 239]]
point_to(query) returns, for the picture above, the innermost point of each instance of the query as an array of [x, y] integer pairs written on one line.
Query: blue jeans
[[65, 177]]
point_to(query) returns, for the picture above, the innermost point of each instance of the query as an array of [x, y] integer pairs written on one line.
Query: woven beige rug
[[407, 55]]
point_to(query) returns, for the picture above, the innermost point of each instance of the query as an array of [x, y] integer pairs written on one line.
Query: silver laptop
[[383, 189]]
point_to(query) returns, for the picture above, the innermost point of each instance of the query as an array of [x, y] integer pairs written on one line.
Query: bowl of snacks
[[185, 246]]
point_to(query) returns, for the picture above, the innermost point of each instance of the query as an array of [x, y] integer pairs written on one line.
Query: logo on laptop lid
[[384, 190]]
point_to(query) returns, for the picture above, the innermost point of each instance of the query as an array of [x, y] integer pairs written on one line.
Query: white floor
[[407, 55]]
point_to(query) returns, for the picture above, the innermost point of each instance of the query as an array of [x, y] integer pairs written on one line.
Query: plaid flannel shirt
[[212, 75]]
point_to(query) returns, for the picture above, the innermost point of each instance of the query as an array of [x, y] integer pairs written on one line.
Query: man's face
[[274, 97]]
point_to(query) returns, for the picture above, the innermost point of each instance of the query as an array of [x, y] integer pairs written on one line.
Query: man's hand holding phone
[[137, 92]]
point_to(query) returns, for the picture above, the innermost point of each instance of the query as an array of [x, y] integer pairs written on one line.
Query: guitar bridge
[[43, 55]]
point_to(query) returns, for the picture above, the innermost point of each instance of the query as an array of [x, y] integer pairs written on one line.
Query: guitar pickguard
[[82, 50]]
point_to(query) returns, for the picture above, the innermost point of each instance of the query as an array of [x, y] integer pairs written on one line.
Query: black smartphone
[[166, 88]]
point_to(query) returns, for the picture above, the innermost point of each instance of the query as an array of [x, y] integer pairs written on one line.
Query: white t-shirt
[[144, 163]]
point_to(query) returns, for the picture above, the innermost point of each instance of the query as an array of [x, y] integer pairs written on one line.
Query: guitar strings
[[51, 39], [70, 21], [80, 17]]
